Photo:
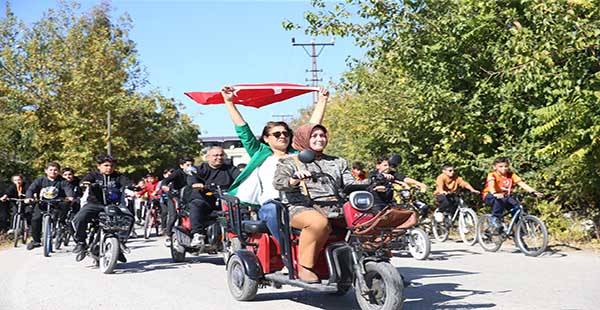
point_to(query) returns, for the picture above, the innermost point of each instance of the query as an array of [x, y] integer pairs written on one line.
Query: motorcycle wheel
[[177, 255], [109, 255], [47, 235], [384, 288], [241, 287], [419, 244]]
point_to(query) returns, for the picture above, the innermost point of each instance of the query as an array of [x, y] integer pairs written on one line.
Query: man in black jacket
[[95, 198], [211, 174], [50, 185]]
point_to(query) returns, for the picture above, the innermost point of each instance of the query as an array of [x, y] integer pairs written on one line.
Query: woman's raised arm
[[319, 111], [236, 117]]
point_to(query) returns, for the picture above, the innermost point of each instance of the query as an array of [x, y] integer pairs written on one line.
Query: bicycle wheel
[[531, 235], [489, 238], [17, 230], [441, 230], [47, 235], [419, 244], [147, 226], [58, 236], [467, 226]]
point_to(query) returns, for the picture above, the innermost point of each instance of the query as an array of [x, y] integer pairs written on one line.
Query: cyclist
[[173, 185], [104, 186], [69, 175], [446, 183], [164, 197], [499, 184], [382, 196], [150, 190], [16, 191], [50, 182]]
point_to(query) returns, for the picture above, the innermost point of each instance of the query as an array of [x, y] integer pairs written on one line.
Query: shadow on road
[[439, 254], [438, 295], [313, 299], [164, 264]]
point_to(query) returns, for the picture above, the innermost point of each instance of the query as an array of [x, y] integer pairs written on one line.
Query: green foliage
[[463, 82], [61, 76]]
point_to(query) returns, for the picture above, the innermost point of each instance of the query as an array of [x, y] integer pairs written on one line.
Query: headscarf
[[301, 139]]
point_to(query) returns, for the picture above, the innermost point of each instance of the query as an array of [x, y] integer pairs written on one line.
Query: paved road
[[455, 277]]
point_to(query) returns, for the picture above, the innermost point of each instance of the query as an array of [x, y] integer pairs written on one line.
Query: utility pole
[[108, 144], [313, 54]]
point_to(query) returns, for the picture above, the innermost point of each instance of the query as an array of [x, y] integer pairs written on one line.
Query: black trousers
[[36, 220], [199, 212], [171, 216], [446, 205], [83, 217]]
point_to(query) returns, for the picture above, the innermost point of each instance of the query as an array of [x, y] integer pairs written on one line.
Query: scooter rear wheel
[[242, 288]]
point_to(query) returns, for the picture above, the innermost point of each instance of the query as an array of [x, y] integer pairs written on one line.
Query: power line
[[313, 54]]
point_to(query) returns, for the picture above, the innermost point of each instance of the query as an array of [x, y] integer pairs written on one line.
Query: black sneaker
[[122, 257], [80, 247], [31, 245]]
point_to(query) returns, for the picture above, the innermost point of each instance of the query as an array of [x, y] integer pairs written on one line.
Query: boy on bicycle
[[447, 183], [499, 184]]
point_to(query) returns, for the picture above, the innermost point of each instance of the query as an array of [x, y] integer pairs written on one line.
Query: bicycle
[[529, 231], [442, 222], [49, 216], [151, 217], [64, 231], [19, 226], [416, 239]]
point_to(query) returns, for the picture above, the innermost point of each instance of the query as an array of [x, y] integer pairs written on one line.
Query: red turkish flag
[[255, 95]]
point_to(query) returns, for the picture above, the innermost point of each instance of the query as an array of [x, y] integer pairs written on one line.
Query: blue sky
[[203, 45]]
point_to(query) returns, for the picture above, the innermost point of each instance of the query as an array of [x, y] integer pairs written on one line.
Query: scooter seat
[[255, 227]]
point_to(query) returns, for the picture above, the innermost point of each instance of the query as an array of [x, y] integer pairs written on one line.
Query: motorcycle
[[108, 233], [345, 261]]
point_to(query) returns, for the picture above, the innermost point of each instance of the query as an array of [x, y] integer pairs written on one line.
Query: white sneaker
[[168, 242], [197, 241], [284, 270], [10, 231], [439, 217]]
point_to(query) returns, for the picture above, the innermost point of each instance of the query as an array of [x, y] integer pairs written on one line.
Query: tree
[[466, 81], [75, 67]]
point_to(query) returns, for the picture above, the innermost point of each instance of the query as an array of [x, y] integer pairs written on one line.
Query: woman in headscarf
[[310, 214], [254, 186]]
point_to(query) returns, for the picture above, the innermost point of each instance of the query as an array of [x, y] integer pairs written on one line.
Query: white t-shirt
[[266, 173]]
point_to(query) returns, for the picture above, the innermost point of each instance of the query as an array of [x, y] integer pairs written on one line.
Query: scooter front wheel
[[242, 288], [384, 288]]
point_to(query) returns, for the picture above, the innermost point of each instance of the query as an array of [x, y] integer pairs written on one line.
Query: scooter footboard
[[339, 260]]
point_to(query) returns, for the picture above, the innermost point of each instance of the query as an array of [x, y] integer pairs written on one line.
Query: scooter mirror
[[306, 156], [394, 161]]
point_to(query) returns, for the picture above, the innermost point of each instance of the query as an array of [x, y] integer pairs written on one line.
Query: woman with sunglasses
[[254, 186]]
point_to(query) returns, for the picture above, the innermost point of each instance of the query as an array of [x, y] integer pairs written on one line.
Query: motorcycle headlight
[[361, 200]]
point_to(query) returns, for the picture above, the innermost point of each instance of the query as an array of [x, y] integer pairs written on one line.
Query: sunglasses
[[278, 134]]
